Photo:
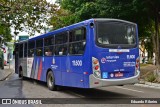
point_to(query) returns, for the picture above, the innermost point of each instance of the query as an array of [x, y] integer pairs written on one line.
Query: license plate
[[119, 74]]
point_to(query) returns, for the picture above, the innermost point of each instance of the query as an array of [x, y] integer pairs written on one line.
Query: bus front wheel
[[51, 81]]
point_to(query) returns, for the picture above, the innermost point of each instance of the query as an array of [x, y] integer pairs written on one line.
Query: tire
[[51, 81]]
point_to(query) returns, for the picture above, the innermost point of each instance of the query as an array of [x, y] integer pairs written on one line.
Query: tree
[[26, 15], [5, 32], [61, 18], [145, 13]]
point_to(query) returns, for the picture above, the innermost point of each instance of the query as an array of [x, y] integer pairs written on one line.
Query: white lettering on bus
[[77, 62], [130, 56]]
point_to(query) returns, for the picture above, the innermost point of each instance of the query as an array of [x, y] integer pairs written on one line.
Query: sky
[[25, 33]]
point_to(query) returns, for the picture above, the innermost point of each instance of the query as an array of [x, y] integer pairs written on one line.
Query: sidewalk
[[145, 71], [6, 72]]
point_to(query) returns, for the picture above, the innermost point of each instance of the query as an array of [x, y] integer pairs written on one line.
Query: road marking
[[129, 89]]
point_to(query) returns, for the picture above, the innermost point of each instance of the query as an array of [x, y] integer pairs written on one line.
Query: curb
[[6, 76], [148, 84], [152, 84]]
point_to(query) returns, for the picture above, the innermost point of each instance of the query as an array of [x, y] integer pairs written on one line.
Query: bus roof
[[85, 22], [61, 29]]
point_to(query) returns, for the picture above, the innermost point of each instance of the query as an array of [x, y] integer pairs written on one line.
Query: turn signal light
[[95, 62]]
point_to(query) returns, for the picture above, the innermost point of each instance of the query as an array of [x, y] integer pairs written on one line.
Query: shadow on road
[[83, 93]]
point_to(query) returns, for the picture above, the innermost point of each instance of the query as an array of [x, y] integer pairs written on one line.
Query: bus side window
[[77, 41], [21, 50], [25, 49], [31, 46], [15, 49], [61, 41], [39, 52], [61, 38], [48, 51], [61, 50], [48, 45], [39, 47]]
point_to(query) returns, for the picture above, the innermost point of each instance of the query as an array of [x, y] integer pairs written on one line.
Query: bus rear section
[[115, 54]]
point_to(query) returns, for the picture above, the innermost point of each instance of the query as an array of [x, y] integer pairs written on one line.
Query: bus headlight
[[96, 67]]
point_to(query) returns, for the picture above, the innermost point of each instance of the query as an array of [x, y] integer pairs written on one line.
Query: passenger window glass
[[77, 48], [39, 51], [61, 38], [20, 50], [49, 51], [30, 52], [25, 50], [49, 41], [39, 47], [61, 50], [39, 43], [77, 35], [77, 41], [31, 46]]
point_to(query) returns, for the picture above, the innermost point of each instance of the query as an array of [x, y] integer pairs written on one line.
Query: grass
[[151, 78], [143, 65], [147, 72]]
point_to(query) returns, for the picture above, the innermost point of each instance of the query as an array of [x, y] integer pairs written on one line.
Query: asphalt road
[[14, 87]]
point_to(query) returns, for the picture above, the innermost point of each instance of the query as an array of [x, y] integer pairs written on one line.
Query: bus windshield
[[115, 33]]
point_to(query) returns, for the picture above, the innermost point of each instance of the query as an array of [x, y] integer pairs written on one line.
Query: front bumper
[[96, 82]]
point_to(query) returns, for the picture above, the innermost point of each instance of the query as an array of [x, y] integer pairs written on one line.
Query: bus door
[[22, 62], [16, 53], [24, 65], [30, 59]]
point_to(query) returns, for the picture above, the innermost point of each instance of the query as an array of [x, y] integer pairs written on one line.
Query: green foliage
[[146, 13], [26, 15], [137, 11], [5, 32], [151, 78], [62, 18]]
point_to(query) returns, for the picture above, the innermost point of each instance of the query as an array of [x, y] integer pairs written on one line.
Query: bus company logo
[[112, 57], [54, 66], [103, 60]]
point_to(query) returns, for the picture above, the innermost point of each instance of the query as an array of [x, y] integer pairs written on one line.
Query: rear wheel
[[51, 81]]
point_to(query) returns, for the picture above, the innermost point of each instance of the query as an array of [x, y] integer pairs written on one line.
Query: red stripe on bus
[[40, 70]]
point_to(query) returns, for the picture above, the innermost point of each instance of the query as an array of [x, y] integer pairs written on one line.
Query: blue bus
[[92, 53]]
